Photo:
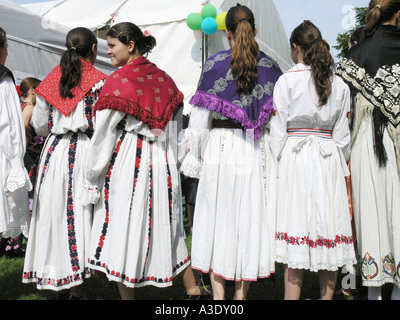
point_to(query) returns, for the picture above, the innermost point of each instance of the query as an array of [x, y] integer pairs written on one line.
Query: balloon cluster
[[209, 20]]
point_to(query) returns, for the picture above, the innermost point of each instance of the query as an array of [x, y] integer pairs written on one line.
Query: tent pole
[[202, 49], [204, 40]]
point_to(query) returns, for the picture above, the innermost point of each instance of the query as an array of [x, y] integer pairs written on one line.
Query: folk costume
[[60, 227], [132, 178], [14, 210], [311, 145], [234, 227], [372, 70]]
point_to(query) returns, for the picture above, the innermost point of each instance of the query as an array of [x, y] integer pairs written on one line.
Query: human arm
[[100, 150], [200, 124], [26, 116], [40, 117], [341, 130], [12, 136], [278, 124]]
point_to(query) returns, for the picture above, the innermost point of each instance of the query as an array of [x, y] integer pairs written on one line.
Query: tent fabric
[[36, 43], [179, 50]]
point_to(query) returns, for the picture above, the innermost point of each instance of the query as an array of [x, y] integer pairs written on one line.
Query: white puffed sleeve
[[12, 136], [100, 149], [278, 124], [40, 117], [341, 130], [200, 124]]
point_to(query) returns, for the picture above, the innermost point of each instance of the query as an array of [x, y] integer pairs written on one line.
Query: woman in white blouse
[[60, 227], [310, 141], [14, 210], [132, 175]]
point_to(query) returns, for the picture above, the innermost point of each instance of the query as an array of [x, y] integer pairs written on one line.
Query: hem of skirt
[[141, 284], [380, 283], [14, 233], [253, 279], [53, 288], [315, 268]]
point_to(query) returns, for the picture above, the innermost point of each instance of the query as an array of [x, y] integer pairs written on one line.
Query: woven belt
[[304, 132], [225, 124]]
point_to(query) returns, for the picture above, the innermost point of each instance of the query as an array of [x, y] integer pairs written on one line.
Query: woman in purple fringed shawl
[[233, 232]]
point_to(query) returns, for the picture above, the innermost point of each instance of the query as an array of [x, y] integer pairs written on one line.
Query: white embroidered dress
[[56, 255], [310, 145], [234, 223], [14, 210], [132, 178]]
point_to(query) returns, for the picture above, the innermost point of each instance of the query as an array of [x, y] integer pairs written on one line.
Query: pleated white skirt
[[234, 224], [136, 238], [313, 219], [376, 203]]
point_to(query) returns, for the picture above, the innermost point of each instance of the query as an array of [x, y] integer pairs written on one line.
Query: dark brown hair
[[28, 83], [3, 37], [317, 55], [127, 32], [380, 11], [79, 43], [357, 36], [241, 23]]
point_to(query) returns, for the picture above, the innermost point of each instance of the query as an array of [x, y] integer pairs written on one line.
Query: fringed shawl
[[142, 90], [217, 91], [49, 88], [372, 68]]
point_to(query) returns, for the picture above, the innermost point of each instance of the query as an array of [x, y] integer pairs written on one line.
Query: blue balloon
[[209, 25]]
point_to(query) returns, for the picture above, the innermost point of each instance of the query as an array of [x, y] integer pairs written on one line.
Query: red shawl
[[49, 88], [142, 90]]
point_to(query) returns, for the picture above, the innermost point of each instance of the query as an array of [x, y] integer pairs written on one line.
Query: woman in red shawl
[[132, 175]]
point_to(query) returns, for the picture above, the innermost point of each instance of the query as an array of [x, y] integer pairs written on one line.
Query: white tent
[[35, 44], [179, 50]]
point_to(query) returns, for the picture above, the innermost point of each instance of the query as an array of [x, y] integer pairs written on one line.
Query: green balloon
[[194, 21], [209, 11]]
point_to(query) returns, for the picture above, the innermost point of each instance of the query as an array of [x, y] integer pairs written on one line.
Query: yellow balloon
[[221, 20]]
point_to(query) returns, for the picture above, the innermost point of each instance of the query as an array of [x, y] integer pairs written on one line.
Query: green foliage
[[342, 39]]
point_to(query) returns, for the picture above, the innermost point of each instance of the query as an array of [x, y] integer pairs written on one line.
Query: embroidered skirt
[[376, 204], [60, 227], [136, 239], [313, 219]]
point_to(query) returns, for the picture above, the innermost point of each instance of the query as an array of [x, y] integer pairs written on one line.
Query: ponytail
[[380, 11], [79, 45], [317, 55], [240, 22], [71, 73]]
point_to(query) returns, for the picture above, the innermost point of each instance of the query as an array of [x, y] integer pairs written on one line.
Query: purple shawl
[[217, 91]]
